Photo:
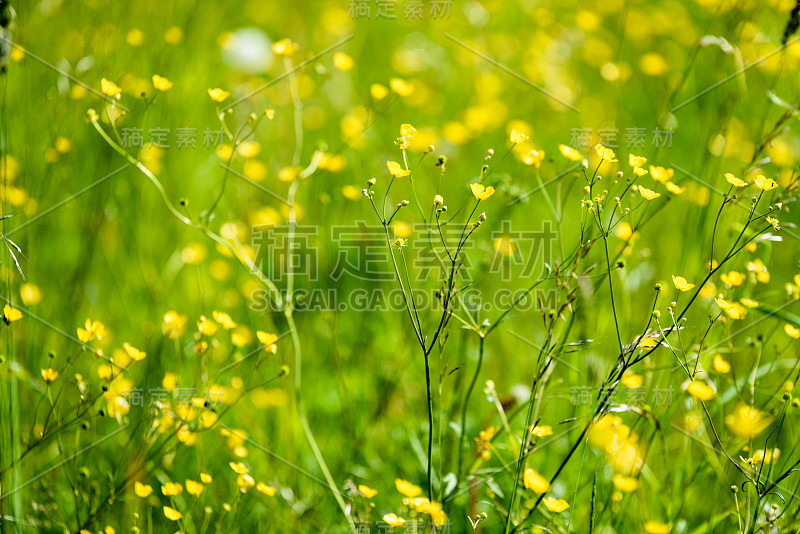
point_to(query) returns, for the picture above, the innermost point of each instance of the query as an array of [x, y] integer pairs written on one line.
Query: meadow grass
[[480, 266]]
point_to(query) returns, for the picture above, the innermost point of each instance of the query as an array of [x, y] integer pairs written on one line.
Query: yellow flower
[[775, 223], [170, 489], [342, 61], [11, 314], [535, 482], [142, 490], [675, 189], [289, 174], [366, 491], [266, 489], [481, 192], [734, 310], [407, 488], [757, 266], [218, 95], [733, 278], [396, 170], [133, 352], [570, 153], [654, 527], [161, 83], [749, 303], [518, 137], [747, 421], [94, 329], [394, 521], [681, 284], [224, 319], [660, 174], [174, 324], [109, 88], [764, 183], [699, 390], [542, 431], [626, 484], [721, 365], [239, 468], [205, 478], [401, 87], [268, 340], [284, 47], [632, 380], [49, 375], [407, 130], [245, 482], [555, 505], [172, 514], [648, 194], [194, 488], [206, 327], [533, 158], [606, 154], [791, 331], [378, 91], [636, 162], [734, 181]]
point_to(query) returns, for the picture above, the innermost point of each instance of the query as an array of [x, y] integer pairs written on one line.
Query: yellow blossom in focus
[[764, 183], [648, 194], [172, 514], [109, 88], [396, 170], [49, 375], [681, 284], [481, 192], [366, 491], [133, 352], [92, 330], [194, 488], [170, 489], [142, 490], [606, 154], [268, 340]]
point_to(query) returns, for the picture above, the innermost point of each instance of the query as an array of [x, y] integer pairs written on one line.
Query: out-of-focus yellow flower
[[218, 95], [734, 310], [700, 390], [239, 468], [342, 61], [11, 314], [366, 491], [194, 488], [174, 324], [721, 365], [675, 189], [734, 181], [733, 278], [747, 421], [133, 352], [205, 478], [570, 153], [142, 490], [626, 484], [284, 47], [378, 91], [660, 174], [542, 431], [555, 505], [654, 527], [518, 137], [535, 482], [393, 521], [170, 489], [791, 331], [161, 83], [266, 489], [172, 514], [268, 340], [92, 330], [407, 488], [401, 87], [245, 482], [759, 269], [109, 88], [224, 319], [49, 375]]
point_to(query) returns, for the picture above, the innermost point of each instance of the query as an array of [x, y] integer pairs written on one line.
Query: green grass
[[414, 362]]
